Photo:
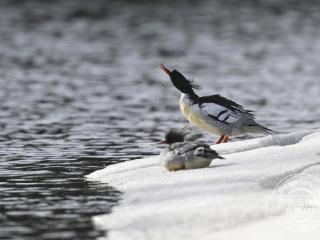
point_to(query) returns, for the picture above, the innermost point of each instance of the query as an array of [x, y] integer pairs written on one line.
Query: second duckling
[[181, 155]]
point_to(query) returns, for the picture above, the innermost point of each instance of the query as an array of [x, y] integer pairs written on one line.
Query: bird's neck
[[190, 98]]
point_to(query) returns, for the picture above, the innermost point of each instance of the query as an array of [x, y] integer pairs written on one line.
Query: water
[[81, 88]]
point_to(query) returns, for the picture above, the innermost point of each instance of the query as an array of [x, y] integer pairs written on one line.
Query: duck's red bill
[[165, 69]]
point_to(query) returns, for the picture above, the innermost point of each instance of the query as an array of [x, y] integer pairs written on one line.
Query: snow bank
[[225, 201]]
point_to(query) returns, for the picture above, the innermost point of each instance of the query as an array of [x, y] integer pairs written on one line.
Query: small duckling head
[[174, 135]]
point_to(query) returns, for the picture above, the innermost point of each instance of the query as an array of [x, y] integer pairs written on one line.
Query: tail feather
[[260, 128], [265, 129]]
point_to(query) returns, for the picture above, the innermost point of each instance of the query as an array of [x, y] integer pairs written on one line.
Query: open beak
[[162, 142], [165, 69]]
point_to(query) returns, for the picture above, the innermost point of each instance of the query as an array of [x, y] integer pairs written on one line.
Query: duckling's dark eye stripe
[[222, 112]]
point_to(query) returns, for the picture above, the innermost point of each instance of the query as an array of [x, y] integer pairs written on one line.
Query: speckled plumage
[[224, 128], [242, 120]]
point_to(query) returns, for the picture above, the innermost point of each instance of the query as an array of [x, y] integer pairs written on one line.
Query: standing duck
[[214, 113], [181, 155]]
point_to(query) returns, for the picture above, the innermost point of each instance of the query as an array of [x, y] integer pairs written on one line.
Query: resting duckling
[[181, 155]]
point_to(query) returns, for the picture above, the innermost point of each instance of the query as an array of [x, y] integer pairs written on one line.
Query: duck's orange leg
[[220, 139], [225, 139]]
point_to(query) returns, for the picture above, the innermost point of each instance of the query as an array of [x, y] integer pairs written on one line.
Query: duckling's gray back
[[186, 155]]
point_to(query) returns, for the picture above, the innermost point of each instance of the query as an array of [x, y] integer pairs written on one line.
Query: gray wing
[[219, 113], [183, 148], [222, 114], [195, 149], [206, 152]]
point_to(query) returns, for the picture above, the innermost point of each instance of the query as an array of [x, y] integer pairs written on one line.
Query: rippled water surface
[[81, 88]]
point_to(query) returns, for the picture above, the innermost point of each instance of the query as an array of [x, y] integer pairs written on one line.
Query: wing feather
[[224, 102], [222, 109], [219, 113]]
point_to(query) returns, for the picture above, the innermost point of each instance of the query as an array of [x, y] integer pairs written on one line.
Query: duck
[[181, 155], [214, 113]]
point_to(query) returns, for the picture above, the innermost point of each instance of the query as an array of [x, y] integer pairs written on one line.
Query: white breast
[[192, 113]]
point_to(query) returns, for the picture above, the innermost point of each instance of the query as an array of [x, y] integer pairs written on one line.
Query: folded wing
[[222, 109]]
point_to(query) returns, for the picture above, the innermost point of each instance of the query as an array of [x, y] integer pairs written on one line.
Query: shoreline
[[225, 200]]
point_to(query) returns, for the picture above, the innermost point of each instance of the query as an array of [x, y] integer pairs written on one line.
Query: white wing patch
[[219, 113]]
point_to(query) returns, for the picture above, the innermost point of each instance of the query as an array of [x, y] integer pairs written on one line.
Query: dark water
[[81, 88]]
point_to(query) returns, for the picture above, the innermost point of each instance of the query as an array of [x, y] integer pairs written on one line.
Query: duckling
[[179, 155]]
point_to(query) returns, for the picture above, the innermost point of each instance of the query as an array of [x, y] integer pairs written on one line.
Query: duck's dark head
[[180, 82], [174, 135]]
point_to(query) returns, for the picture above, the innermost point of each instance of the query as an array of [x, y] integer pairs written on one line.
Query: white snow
[[224, 201]]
